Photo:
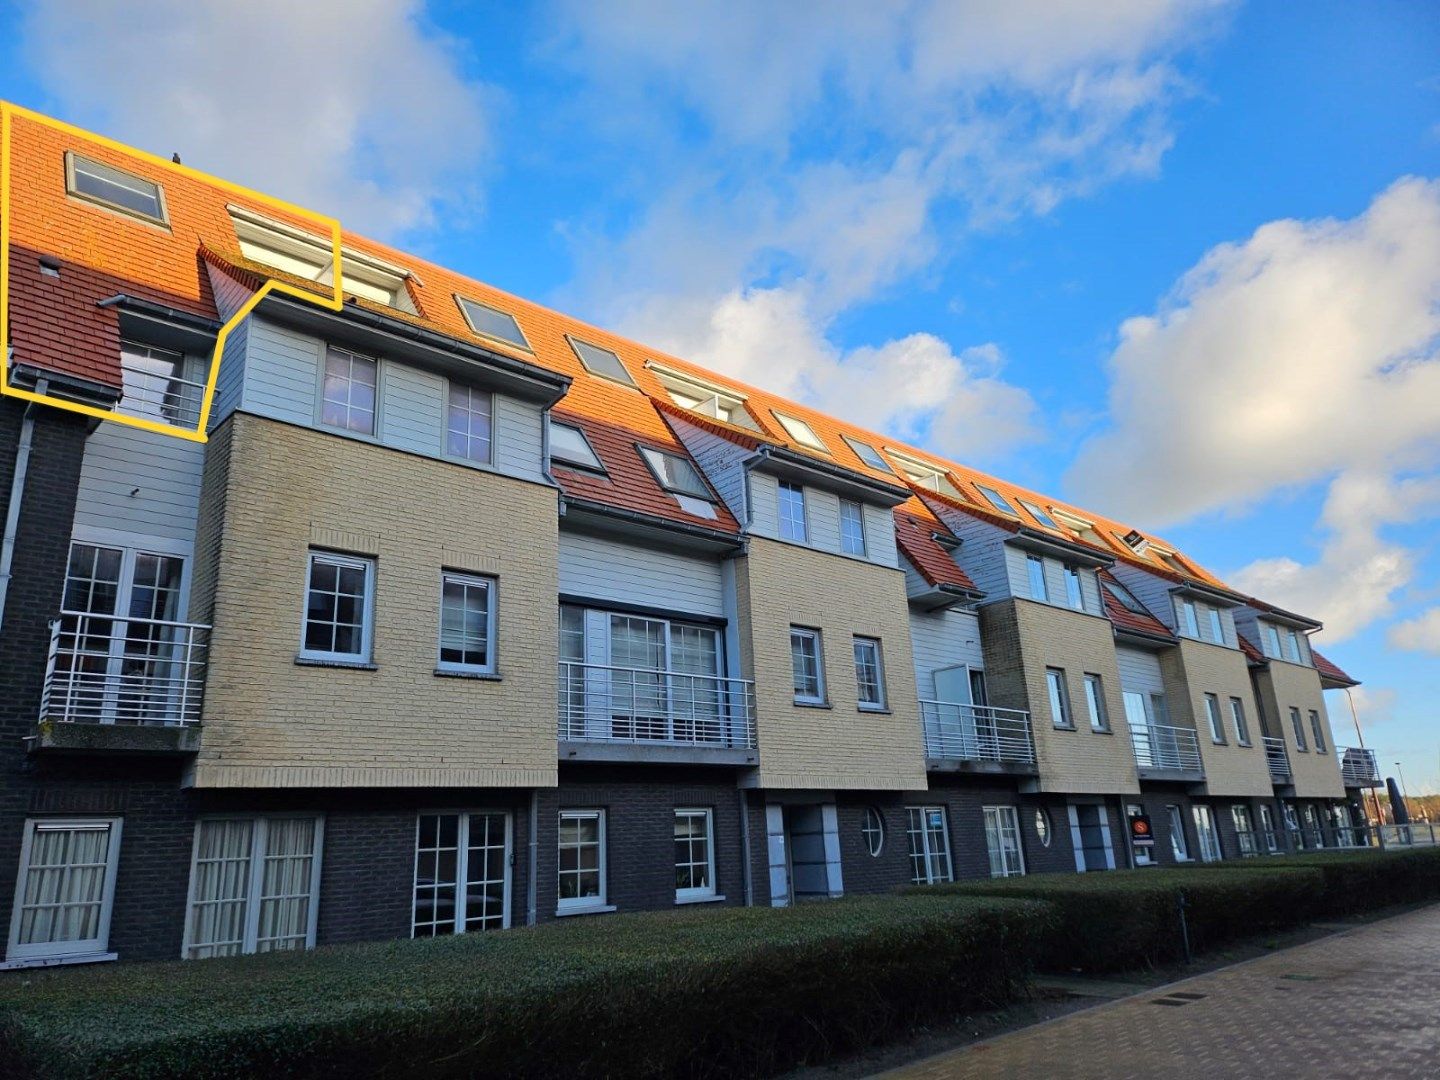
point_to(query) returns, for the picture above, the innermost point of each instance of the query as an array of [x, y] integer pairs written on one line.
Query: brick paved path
[[1365, 1003]]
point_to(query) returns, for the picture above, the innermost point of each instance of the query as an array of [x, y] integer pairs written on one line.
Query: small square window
[[347, 395], [800, 431], [492, 323], [852, 527], [676, 474], [339, 603], [569, 446], [468, 423], [868, 454], [602, 362], [467, 623], [869, 674], [117, 190], [996, 499], [806, 665]]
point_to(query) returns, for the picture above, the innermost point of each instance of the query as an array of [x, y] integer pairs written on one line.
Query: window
[[852, 527], [569, 446], [1002, 838], [1272, 641], [929, 838], [347, 397], [1144, 856], [1292, 646], [1217, 625], [703, 397], [1267, 828], [1242, 726], [467, 623], [1042, 826], [1036, 568], [1095, 703], [582, 860], [872, 829], [1126, 598], [1192, 624], [254, 885], [924, 473], [467, 423], [1179, 846], [676, 474], [492, 322], [601, 362], [1206, 834], [1299, 729], [1074, 596], [1039, 515], [805, 664], [339, 603], [694, 856], [65, 888], [800, 431], [996, 500], [1318, 730], [869, 674], [1059, 698], [792, 511], [867, 453], [160, 385], [462, 873], [118, 190], [1212, 714], [1244, 830]]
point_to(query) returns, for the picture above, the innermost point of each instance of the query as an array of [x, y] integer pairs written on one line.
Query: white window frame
[[579, 904], [872, 831], [593, 464], [1292, 646], [1244, 824], [657, 460], [1191, 618], [1095, 703], [1179, 842], [800, 431], [462, 867], [1207, 833], [1215, 720], [367, 630], [160, 218], [1217, 624], [865, 452], [699, 894], [856, 528], [470, 581], [1271, 637], [1061, 714], [96, 947], [927, 852], [259, 846], [472, 392], [1267, 826], [1074, 587], [345, 429], [814, 636], [1035, 570], [785, 522], [1297, 727], [1322, 745], [859, 642], [1240, 720], [996, 844]]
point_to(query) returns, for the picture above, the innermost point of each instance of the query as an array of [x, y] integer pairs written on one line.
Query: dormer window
[[676, 474], [703, 397], [868, 454], [116, 190], [1081, 527], [493, 323], [924, 474], [569, 446], [996, 500], [1039, 515], [1135, 541], [800, 431], [602, 362]]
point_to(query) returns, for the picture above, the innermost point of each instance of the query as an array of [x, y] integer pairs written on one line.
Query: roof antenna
[[175, 157]]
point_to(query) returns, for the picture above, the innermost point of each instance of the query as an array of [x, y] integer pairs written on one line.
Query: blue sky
[[1180, 262]]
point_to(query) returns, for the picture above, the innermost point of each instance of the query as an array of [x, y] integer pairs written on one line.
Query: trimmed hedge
[[1360, 881], [1127, 919], [690, 993]]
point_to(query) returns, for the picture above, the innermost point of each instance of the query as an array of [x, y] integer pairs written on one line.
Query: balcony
[[1164, 752], [1358, 768], [122, 685], [977, 738], [1279, 760], [641, 714]]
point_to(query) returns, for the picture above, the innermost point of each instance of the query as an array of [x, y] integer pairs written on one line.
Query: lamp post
[[1360, 741], [1404, 791]]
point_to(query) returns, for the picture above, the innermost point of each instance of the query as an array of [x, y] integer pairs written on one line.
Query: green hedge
[[1360, 881], [694, 993], [1127, 919]]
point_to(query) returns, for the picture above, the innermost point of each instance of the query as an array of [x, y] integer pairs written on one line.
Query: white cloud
[[1374, 705], [1420, 634], [355, 108]]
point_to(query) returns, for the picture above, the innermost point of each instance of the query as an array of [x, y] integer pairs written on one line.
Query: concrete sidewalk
[[1364, 1003]]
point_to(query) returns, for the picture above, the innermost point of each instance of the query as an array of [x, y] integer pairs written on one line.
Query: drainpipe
[[532, 857], [17, 494], [745, 847]]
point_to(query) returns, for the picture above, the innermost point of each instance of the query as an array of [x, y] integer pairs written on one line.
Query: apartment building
[[467, 615]]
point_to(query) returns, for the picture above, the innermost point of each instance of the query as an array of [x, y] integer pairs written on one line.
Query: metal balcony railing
[[1358, 768], [1163, 746], [643, 706], [976, 732], [103, 669], [1278, 759]]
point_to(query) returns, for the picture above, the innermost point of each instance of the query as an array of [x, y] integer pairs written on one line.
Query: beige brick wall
[[1282, 685], [1021, 639], [1191, 670], [271, 491], [780, 584]]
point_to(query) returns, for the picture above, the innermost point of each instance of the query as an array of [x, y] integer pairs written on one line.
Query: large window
[[694, 855], [462, 873], [1217, 625], [929, 837], [1267, 829], [1212, 714], [112, 188], [254, 885], [467, 623], [1179, 846], [1244, 830], [1206, 834], [1272, 640], [65, 888], [161, 385], [339, 608], [807, 666], [1192, 622], [792, 511], [1095, 703], [1318, 730], [1002, 838], [468, 423], [852, 527], [1036, 568], [1059, 698], [869, 673], [1299, 729], [347, 397], [581, 882], [1074, 594], [1242, 726]]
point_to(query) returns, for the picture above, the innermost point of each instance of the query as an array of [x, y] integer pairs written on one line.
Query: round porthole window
[[1042, 826], [873, 829]]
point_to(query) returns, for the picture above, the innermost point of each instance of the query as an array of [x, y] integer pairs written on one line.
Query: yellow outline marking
[[197, 434]]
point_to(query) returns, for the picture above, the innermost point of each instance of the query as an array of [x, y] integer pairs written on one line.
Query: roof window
[[602, 362], [1125, 596], [112, 188], [868, 454], [800, 431], [675, 474], [569, 446], [996, 500], [1038, 514], [492, 323]]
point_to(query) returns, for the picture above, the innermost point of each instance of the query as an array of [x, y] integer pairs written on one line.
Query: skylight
[[569, 446], [867, 453], [492, 322], [800, 431], [1039, 515], [675, 474], [996, 499], [1126, 597], [118, 190], [601, 362]]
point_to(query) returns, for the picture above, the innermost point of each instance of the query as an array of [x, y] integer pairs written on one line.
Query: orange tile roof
[[1330, 671], [1125, 619], [915, 530]]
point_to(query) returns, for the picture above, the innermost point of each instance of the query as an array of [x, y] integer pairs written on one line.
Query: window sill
[[813, 705], [353, 665], [58, 961], [1102, 731], [1063, 727], [874, 710], [681, 901], [591, 909], [456, 673]]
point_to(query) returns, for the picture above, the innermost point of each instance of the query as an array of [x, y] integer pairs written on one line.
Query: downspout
[[745, 847], [532, 857], [17, 494]]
